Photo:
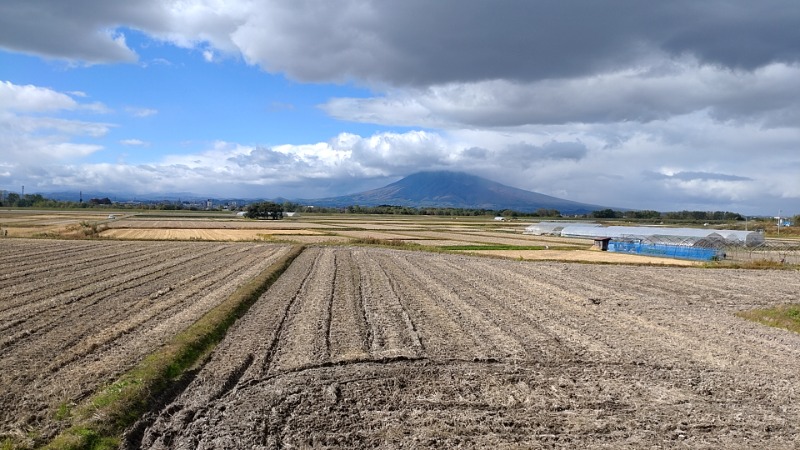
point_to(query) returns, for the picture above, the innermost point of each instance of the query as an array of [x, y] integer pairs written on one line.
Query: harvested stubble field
[[202, 234], [76, 314], [232, 223], [357, 347], [594, 256]]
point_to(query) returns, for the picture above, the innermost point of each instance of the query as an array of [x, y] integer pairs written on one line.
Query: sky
[[679, 105]]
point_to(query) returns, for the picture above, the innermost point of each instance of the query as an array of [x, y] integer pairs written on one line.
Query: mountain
[[456, 190]]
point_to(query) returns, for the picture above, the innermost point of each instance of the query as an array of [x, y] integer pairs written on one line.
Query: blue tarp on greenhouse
[[665, 250]]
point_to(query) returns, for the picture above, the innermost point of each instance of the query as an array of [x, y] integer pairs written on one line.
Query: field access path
[[359, 347]]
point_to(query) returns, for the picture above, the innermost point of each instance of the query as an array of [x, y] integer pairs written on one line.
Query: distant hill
[[456, 190]]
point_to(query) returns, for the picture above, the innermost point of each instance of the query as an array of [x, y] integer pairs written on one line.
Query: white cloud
[[141, 112], [616, 171], [35, 99], [31, 139], [134, 142], [29, 98]]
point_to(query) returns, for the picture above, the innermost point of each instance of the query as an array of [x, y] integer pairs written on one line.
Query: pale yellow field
[[203, 234], [583, 255], [362, 234], [498, 238], [232, 223]]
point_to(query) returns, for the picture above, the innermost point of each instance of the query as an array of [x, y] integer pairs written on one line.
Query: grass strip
[[757, 264], [786, 317], [396, 243], [100, 422]]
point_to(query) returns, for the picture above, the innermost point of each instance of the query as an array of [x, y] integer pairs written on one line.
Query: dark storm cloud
[[419, 42], [532, 154], [476, 153], [264, 157], [82, 30]]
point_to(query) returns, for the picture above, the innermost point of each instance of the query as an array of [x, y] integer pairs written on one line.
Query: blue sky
[[684, 105], [175, 101]]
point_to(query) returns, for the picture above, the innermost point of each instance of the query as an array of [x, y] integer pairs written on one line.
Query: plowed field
[[75, 314], [365, 348]]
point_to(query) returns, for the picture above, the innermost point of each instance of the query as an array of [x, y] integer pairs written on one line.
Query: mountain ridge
[[447, 189]]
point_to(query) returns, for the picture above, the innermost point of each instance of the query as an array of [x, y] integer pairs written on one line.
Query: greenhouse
[[686, 243], [554, 228], [683, 236]]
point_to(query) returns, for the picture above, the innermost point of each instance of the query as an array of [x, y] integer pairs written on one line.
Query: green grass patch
[[786, 317], [63, 412], [757, 264], [397, 243], [99, 422]]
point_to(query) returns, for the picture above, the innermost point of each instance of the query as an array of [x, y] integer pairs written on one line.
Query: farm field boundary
[[100, 421]]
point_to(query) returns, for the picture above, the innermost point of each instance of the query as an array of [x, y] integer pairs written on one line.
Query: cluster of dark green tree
[[100, 201], [23, 201], [265, 210], [436, 211], [15, 200], [678, 216]]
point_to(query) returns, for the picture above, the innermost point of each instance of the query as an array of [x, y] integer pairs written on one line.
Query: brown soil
[[366, 347], [76, 314]]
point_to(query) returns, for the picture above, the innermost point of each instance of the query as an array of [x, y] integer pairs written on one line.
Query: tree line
[[273, 210], [685, 216]]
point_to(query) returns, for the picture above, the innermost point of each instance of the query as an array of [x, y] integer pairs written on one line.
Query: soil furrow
[[70, 276], [391, 334], [109, 286], [429, 304], [348, 336], [305, 340], [85, 304], [113, 322]]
